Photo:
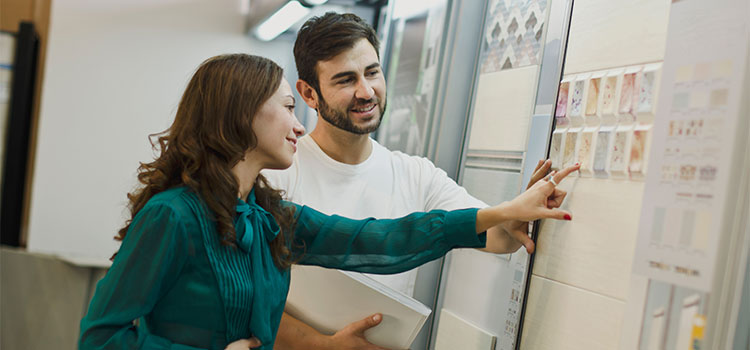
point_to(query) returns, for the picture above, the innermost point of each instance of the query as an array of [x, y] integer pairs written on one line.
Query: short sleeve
[[383, 246], [441, 191], [146, 266]]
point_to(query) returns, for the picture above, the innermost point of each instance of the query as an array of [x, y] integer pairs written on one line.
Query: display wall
[[581, 278], [507, 70]]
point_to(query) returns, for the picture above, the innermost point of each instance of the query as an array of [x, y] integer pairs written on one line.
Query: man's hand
[[353, 335], [519, 230], [296, 335], [244, 344], [511, 235]]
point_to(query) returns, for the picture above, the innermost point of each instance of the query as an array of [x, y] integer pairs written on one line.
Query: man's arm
[[295, 334]]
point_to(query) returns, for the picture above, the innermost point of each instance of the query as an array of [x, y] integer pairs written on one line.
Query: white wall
[[114, 73]]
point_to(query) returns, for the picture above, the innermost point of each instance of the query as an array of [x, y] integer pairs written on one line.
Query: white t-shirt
[[389, 184]]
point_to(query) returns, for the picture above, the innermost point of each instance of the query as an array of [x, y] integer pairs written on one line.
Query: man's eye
[[345, 81], [373, 73]]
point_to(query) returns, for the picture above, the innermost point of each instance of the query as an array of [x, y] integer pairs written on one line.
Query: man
[[339, 169]]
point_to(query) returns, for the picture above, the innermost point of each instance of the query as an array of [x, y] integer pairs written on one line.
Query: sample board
[[655, 205], [581, 277]]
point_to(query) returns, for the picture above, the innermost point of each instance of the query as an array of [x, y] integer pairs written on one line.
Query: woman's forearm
[[493, 216]]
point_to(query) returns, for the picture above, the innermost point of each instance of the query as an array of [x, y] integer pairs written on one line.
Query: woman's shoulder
[[181, 200]]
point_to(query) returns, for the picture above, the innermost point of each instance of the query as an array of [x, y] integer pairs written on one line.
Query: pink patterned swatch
[[592, 100], [562, 100], [626, 93], [608, 95]]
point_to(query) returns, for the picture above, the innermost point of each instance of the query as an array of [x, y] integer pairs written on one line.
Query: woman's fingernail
[[567, 217]]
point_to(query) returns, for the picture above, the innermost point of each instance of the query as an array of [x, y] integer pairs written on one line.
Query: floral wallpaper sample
[[570, 149], [608, 95], [576, 99], [637, 149], [554, 152], [602, 148], [585, 151], [626, 93], [562, 100], [646, 96], [617, 163], [592, 100]]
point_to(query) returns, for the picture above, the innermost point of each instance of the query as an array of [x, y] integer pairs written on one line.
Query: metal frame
[[552, 68]]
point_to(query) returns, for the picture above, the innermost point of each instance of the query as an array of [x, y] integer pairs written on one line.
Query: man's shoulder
[[404, 160], [281, 178]]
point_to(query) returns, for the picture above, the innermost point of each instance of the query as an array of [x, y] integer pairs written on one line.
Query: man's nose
[[364, 90]]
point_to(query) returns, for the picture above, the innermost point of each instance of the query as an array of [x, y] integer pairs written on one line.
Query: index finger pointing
[[560, 175]]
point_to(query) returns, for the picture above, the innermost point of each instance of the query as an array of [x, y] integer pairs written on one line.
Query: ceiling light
[[280, 21], [311, 3]]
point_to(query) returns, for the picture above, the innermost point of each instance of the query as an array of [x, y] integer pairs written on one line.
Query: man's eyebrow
[[350, 73], [342, 75]]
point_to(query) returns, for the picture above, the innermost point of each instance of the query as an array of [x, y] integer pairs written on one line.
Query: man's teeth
[[364, 109]]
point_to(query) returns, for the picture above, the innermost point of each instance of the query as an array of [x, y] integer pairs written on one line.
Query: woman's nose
[[299, 130]]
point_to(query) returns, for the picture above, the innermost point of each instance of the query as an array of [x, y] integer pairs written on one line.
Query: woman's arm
[[396, 245], [382, 246], [148, 263]]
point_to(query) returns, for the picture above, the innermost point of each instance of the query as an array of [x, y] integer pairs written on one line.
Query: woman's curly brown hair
[[211, 133]]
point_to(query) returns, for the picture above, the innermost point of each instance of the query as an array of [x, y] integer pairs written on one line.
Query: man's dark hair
[[324, 37]]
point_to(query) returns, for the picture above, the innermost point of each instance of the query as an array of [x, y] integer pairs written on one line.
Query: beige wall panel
[[594, 251], [42, 301], [455, 333], [560, 317], [502, 109], [606, 34]]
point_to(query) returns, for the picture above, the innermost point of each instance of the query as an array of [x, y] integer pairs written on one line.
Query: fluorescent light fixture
[[314, 2], [407, 9], [280, 21]]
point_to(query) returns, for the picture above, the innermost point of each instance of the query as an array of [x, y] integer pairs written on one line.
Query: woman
[[204, 261]]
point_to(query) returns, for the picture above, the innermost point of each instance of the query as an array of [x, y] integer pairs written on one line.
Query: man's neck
[[342, 146]]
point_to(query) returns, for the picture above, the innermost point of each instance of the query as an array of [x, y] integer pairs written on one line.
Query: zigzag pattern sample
[[513, 34]]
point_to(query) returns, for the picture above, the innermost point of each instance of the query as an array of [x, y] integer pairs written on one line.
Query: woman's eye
[[290, 107]]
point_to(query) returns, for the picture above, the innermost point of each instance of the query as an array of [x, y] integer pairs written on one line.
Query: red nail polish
[[567, 217]]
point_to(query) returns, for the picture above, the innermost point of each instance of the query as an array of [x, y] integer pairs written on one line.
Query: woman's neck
[[246, 172]]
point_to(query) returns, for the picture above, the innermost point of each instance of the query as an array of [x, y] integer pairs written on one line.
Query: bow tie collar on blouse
[[253, 222], [255, 278]]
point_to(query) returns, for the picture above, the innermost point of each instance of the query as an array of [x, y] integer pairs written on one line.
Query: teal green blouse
[[189, 291]]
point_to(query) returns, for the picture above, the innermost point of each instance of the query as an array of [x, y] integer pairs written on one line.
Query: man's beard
[[341, 119]]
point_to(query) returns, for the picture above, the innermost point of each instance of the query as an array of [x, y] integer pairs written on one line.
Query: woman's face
[[277, 129]]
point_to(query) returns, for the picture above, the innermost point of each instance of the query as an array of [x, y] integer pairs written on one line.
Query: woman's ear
[[308, 93]]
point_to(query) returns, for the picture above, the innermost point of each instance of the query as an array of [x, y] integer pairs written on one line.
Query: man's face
[[352, 89]]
